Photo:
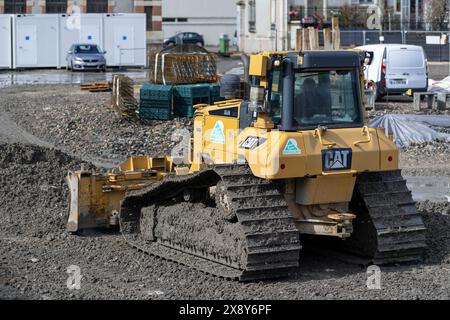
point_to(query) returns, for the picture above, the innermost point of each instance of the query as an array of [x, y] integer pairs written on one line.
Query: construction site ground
[[48, 129]]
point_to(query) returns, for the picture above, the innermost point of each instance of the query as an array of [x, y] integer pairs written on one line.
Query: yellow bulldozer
[[295, 160]]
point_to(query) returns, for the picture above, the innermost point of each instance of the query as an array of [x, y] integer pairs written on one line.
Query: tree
[[349, 16], [437, 13]]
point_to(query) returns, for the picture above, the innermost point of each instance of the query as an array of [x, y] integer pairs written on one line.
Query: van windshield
[[405, 59]]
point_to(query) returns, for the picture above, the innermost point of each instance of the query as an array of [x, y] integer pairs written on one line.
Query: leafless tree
[[437, 13]]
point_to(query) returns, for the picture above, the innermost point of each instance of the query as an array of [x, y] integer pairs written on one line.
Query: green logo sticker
[[217, 134], [291, 147]]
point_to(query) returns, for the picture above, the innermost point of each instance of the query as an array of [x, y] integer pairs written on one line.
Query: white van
[[396, 68]]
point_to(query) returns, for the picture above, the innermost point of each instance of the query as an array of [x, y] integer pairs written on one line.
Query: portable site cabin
[[5, 41], [35, 40], [84, 28], [43, 40], [125, 39]]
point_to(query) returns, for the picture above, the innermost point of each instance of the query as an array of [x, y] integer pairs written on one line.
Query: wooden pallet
[[103, 86]]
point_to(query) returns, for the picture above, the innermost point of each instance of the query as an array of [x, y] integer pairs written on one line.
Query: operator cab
[[323, 90]]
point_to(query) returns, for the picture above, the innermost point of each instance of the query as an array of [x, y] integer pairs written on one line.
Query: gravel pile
[[33, 191], [84, 124]]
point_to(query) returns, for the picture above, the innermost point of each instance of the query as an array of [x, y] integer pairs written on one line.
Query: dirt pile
[[85, 124], [33, 191]]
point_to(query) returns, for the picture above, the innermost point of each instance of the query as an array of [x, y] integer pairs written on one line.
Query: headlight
[[78, 59]]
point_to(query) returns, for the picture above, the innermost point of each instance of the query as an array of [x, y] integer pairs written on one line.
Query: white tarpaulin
[[408, 128], [439, 86]]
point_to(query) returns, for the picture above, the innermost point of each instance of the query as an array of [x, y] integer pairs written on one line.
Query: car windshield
[[86, 49], [327, 98]]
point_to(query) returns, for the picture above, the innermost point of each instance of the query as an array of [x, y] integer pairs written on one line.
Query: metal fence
[[434, 52]]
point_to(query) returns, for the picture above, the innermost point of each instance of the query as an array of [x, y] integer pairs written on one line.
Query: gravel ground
[[35, 250]]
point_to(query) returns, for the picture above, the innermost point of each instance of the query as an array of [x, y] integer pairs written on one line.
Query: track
[[247, 233], [388, 228]]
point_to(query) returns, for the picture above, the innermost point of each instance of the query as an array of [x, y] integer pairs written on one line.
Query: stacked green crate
[[156, 102], [187, 96], [215, 93]]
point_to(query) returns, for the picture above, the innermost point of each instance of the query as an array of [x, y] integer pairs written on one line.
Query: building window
[[56, 6], [97, 6], [175, 19], [252, 16], [149, 13], [15, 6], [398, 6]]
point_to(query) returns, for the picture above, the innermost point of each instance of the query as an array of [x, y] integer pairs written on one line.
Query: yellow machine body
[[218, 140], [95, 198], [317, 198]]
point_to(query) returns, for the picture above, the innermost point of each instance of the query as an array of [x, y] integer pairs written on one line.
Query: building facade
[[211, 18], [153, 10], [395, 14], [272, 24], [263, 25]]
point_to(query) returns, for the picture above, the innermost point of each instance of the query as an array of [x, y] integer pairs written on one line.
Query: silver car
[[85, 57]]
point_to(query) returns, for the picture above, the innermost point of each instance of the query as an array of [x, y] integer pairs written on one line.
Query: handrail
[[365, 131], [335, 173], [318, 133]]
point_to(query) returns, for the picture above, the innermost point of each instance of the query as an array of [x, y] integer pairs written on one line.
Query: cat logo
[[336, 159]]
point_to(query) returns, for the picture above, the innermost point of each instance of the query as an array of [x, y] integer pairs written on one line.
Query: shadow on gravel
[[98, 232], [318, 263], [397, 98]]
